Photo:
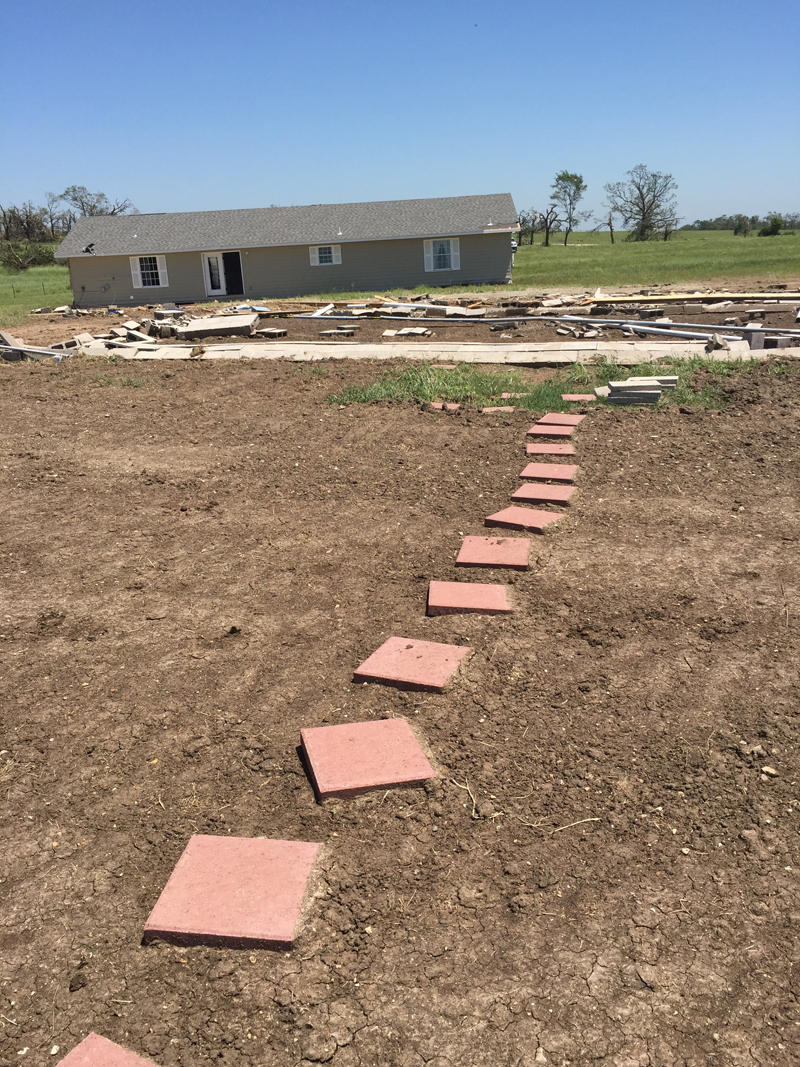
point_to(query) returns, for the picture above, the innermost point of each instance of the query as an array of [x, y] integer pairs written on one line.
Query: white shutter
[[428, 246], [313, 255], [136, 273], [455, 254], [163, 277], [337, 254]]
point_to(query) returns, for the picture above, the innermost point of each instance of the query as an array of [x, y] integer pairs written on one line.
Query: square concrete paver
[[461, 598], [358, 757], [541, 493], [241, 892], [560, 418], [578, 398], [510, 552], [550, 448], [554, 472], [97, 1051], [523, 519], [546, 430], [409, 664]]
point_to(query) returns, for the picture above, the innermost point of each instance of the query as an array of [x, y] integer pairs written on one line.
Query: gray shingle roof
[[199, 231]]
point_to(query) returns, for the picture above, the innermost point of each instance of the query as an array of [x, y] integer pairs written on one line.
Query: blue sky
[[246, 103]]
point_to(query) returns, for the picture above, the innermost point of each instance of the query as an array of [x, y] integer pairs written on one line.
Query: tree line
[[772, 224], [29, 232]]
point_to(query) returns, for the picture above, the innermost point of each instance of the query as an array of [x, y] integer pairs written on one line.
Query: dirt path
[[191, 572]]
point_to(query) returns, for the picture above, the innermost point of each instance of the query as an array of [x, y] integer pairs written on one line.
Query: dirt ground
[[48, 329], [192, 568]]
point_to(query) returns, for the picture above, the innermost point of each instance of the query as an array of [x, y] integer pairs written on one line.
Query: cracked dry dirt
[[191, 570]]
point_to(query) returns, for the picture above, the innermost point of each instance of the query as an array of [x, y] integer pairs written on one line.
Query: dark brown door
[[234, 282]]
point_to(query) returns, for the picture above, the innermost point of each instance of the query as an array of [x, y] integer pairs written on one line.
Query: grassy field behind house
[[589, 261]]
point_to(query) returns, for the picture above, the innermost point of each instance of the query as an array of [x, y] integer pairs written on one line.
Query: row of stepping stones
[[248, 892]]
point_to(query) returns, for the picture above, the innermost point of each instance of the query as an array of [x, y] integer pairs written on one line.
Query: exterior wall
[[286, 271]]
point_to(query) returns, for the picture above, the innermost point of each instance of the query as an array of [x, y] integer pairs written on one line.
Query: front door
[[223, 273]]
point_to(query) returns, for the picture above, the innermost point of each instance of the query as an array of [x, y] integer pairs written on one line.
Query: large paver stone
[[523, 519], [507, 552], [241, 892], [461, 598], [409, 664], [541, 493], [361, 756], [97, 1051]]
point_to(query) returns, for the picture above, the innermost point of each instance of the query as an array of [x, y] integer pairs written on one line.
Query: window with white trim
[[442, 253], [149, 272], [325, 255]]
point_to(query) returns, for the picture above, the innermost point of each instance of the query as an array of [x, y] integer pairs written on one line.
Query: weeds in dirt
[[133, 383], [700, 383]]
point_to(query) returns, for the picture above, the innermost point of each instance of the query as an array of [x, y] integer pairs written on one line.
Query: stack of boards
[[637, 390]]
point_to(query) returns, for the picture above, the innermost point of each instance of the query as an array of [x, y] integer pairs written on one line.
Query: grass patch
[[22, 291], [700, 384]]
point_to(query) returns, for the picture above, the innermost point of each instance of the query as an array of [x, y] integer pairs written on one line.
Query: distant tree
[[20, 255], [549, 222], [646, 203], [86, 203], [611, 225], [741, 225], [526, 219], [567, 191], [773, 225]]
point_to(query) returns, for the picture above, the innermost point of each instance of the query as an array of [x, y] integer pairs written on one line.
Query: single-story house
[[290, 251]]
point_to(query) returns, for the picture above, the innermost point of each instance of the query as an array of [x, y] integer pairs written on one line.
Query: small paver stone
[[511, 552], [554, 472], [242, 892], [578, 398], [550, 448], [523, 519], [560, 418], [358, 757], [545, 430], [541, 493], [410, 664], [461, 598]]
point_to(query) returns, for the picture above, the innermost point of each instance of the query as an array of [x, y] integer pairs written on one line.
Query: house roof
[[202, 231]]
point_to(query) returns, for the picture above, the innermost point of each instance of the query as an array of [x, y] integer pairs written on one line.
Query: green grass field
[[28, 289], [588, 261]]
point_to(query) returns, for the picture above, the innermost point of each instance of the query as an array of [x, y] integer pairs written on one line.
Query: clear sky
[[188, 106]]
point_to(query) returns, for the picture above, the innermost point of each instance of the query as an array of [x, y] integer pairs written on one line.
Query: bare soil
[[603, 873]]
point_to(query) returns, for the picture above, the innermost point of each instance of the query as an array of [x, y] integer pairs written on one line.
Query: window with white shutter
[[442, 253], [325, 255], [149, 272]]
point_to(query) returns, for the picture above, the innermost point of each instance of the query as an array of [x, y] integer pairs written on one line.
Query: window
[[325, 255], [443, 253], [149, 272]]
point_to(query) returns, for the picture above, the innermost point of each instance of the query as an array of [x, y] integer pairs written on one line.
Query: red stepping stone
[[409, 664], [494, 411], [97, 1051], [535, 493], [437, 405], [522, 519], [578, 398], [240, 892], [555, 472], [546, 430], [511, 552], [512, 396], [460, 598], [551, 448], [361, 756], [558, 418]]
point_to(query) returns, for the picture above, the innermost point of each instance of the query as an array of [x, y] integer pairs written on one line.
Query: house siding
[[286, 271]]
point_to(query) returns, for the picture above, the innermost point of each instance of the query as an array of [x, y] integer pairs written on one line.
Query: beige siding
[[275, 272]]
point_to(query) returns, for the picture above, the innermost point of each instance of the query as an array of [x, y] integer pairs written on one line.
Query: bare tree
[[611, 225], [567, 191], [646, 202], [86, 203], [549, 221]]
